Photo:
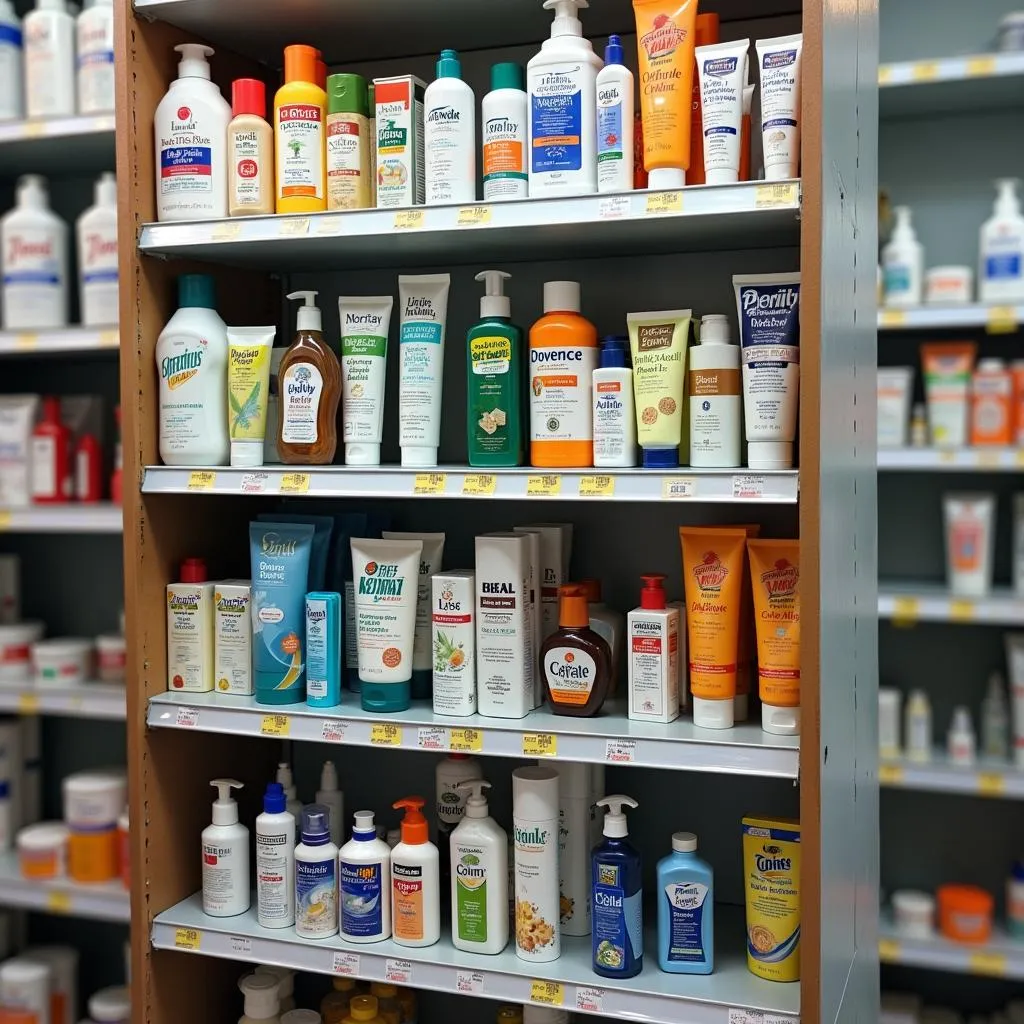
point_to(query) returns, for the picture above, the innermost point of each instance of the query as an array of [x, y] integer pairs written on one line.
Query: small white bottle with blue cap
[[614, 121], [449, 135], [614, 407]]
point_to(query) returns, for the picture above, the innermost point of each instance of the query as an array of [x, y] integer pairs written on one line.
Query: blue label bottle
[[616, 891], [686, 909]]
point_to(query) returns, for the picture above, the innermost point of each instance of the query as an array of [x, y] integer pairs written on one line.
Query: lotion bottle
[[316, 877], [503, 117], [617, 936], [97, 255], [653, 632], [12, 91], [1001, 273], [95, 58], [614, 121], [49, 60], [365, 883], [903, 263], [614, 410], [225, 856], [686, 909], [449, 135], [607, 623], [415, 880], [714, 397], [250, 151], [275, 861], [299, 112]]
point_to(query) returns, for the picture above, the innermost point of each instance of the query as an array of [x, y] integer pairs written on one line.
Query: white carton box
[[453, 639], [232, 637], [555, 552]]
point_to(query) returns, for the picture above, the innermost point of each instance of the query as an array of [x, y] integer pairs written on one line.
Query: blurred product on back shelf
[[97, 253]]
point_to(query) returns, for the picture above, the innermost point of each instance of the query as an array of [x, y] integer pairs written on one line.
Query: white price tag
[[747, 486], [241, 946], [469, 982], [590, 1000], [620, 751], [255, 483], [346, 963], [613, 207], [432, 737], [333, 731], [678, 487], [187, 718], [739, 1016], [398, 972]]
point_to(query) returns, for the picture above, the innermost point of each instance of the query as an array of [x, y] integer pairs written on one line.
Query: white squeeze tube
[[722, 70], [365, 322], [1015, 665], [779, 61], [424, 304]]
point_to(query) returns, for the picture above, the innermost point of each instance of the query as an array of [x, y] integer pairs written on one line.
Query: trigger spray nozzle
[[615, 818], [308, 317], [494, 301]]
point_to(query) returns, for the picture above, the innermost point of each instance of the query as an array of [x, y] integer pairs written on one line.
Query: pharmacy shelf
[[88, 700], [103, 901], [58, 146], [780, 487], [747, 215], [59, 342], [993, 81], [610, 738], [952, 460], [907, 603], [652, 997], [987, 778], [102, 517], [1001, 957], [994, 319]]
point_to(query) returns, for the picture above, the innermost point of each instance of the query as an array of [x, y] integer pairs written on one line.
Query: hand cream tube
[[386, 589], [365, 322], [424, 302], [1015, 666], [947, 367], [666, 34], [658, 342], [895, 391], [722, 70], [248, 386], [713, 563], [768, 308], [775, 579], [779, 61], [423, 643], [970, 542]]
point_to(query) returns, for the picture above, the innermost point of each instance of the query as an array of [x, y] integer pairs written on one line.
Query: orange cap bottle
[[415, 880], [299, 111], [414, 825], [575, 660]]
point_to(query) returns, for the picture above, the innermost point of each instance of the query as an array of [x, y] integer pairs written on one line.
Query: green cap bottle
[[507, 76], [196, 291], [348, 94]]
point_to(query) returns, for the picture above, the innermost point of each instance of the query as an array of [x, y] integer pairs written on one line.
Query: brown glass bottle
[[575, 661], [310, 389]]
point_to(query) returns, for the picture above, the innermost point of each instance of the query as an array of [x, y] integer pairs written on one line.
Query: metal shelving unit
[[89, 700], [105, 901], [994, 319], [102, 517], [1001, 957], [57, 146], [986, 778], [59, 342]]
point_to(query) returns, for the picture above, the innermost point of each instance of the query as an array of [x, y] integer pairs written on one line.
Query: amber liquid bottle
[[310, 388], [576, 661]]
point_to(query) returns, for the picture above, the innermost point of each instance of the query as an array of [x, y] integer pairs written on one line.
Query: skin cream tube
[[424, 303], [1015, 665], [364, 348], [779, 61], [947, 369], [386, 590], [248, 386], [970, 540], [721, 69], [895, 391], [768, 309]]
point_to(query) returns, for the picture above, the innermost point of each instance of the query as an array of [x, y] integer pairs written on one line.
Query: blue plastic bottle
[[616, 885], [323, 649], [686, 909]]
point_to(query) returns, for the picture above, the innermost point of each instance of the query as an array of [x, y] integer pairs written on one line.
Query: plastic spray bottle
[[1001, 273], [225, 856], [617, 883], [903, 263]]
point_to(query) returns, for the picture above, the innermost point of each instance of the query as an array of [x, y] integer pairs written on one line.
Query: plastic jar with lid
[[62, 661], [43, 850], [93, 802], [111, 656], [388, 1006], [111, 1006], [363, 1010], [16, 642], [285, 978], [965, 913], [25, 985], [334, 1006]]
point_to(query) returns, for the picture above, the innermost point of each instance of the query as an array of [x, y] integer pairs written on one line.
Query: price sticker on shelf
[[620, 751], [292, 227], [294, 483], [465, 741], [398, 972], [748, 485], [108, 339], [226, 231], [473, 216], [345, 963], [547, 993], [28, 703], [384, 734], [540, 744], [1019, 457], [430, 483], [992, 965], [981, 67], [589, 1000], [547, 486], [904, 611], [774, 194], [893, 317], [674, 487], [26, 341], [884, 74], [432, 737], [888, 950], [664, 202], [602, 486], [187, 938], [961, 610], [58, 902], [890, 774], [326, 225], [469, 983], [479, 484], [187, 718], [991, 783], [275, 725], [333, 731], [34, 129], [5, 519], [1002, 320], [989, 460], [614, 207], [201, 480], [241, 946], [925, 71], [255, 483], [408, 220]]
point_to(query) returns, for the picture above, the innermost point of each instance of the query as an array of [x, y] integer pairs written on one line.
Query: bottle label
[[407, 902], [421, 356], [361, 894], [686, 928], [186, 162], [612, 429], [95, 65], [44, 468], [33, 277], [897, 278], [504, 153], [1003, 267], [301, 390], [273, 896], [571, 674], [247, 182], [654, 666], [363, 362], [451, 804], [449, 146], [470, 892], [617, 925], [316, 647], [300, 151], [538, 903], [316, 897], [610, 154], [97, 258], [219, 881], [348, 162], [561, 399], [49, 83], [556, 123], [491, 390]]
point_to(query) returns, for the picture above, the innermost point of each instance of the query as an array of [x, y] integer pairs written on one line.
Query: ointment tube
[[248, 386]]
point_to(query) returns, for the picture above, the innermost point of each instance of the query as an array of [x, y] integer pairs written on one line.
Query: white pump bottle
[[97, 256], [1001, 264], [333, 799], [49, 60], [225, 856], [903, 263]]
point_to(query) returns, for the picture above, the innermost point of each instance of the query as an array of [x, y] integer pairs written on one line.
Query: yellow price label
[[988, 459], [465, 741], [226, 231], [597, 486], [890, 774], [5, 519], [981, 67], [430, 483], [1019, 457], [543, 486], [776, 194], [925, 71], [109, 339], [991, 783], [893, 317], [884, 74], [384, 734], [292, 227], [34, 129], [28, 704], [275, 725], [479, 483], [201, 480], [294, 483], [888, 950], [473, 216], [947, 456], [540, 744], [991, 964], [406, 220], [665, 202], [961, 611], [904, 611], [187, 938], [1002, 320], [58, 902], [549, 993], [26, 341]]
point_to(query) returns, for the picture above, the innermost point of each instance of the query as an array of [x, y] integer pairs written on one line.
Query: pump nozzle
[[476, 802], [567, 21], [32, 191], [309, 318], [494, 302], [193, 63], [414, 825], [615, 819], [1007, 200], [225, 810], [903, 230]]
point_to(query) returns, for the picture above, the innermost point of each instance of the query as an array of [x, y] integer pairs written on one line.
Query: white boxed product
[[453, 639], [555, 552], [533, 537], [232, 637]]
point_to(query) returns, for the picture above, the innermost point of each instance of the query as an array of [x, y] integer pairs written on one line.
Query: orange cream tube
[[775, 578], [666, 36], [713, 564]]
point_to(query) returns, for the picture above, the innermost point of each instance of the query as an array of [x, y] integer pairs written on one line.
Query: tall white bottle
[[1001, 264], [561, 83], [275, 861], [713, 388], [49, 32], [449, 135], [903, 263], [12, 82], [97, 255], [225, 856], [503, 127], [34, 260], [316, 877], [364, 882], [94, 31], [333, 799], [191, 130], [614, 121]]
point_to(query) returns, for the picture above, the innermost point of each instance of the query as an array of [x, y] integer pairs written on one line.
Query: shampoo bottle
[[903, 263], [449, 134], [714, 393], [617, 883], [503, 116], [225, 856], [614, 121], [1001, 273], [415, 880], [12, 92], [365, 882], [316, 876], [94, 31], [686, 909], [275, 861], [49, 60], [299, 107], [97, 256]]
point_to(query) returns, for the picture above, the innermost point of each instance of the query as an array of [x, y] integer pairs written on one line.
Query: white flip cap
[[362, 454], [712, 714], [562, 297], [666, 177], [780, 721], [721, 176], [421, 456], [770, 455], [684, 842], [246, 454]]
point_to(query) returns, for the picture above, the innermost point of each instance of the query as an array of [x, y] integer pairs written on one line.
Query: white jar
[[63, 661], [25, 985], [93, 801], [111, 656], [43, 850], [915, 913], [946, 286], [537, 905], [49, 60], [16, 651], [95, 44], [111, 1006]]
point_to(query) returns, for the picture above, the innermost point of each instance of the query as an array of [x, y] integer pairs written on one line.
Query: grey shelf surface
[[910, 602], [951, 460], [993, 318], [87, 700], [986, 778], [98, 340], [69, 517], [59, 147], [102, 901]]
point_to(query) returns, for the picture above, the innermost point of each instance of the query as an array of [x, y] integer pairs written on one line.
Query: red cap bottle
[[652, 596], [51, 456], [248, 96], [193, 570]]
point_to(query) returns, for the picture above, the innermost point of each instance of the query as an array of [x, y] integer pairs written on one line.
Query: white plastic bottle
[[479, 862], [995, 720], [191, 131], [284, 776], [1001, 267], [94, 32], [365, 883], [903, 263], [11, 67], [503, 126], [261, 1001], [449, 135], [561, 83], [449, 800], [960, 741], [225, 856], [192, 366], [316, 877], [538, 929], [275, 861], [415, 880], [653, 645], [333, 799], [579, 786], [713, 388], [49, 32], [615, 118], [614, 409], [34, 260], [917, 729], [97, 255]]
